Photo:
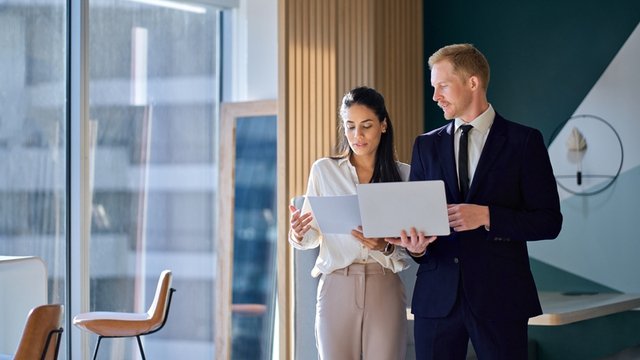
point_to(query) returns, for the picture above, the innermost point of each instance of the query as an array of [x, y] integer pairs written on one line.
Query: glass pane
[[153, 111], [255, 233], [33, 140]]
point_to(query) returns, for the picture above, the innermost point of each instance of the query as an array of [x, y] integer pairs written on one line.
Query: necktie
[[463, 160]]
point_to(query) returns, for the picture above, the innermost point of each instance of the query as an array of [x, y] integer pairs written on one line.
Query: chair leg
[[55, 355], [58, 334], [140, 346], [95, 352]]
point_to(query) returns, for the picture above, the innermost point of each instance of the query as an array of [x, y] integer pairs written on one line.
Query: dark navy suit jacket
[[515, 179]]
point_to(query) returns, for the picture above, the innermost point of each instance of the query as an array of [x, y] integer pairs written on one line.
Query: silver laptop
[[388, 208]]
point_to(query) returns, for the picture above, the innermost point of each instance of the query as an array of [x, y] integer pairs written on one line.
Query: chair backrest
[[305, 288], [42, 333], [159, 308]]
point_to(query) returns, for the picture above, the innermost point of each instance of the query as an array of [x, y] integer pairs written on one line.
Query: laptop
[[388, 208]]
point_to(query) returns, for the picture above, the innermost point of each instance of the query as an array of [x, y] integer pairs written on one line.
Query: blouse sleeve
[[396, 261]]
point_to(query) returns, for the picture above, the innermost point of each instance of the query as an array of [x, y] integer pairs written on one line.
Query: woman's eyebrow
[[365, 120]]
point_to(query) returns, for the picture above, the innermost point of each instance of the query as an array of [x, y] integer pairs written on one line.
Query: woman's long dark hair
[[385, 168]]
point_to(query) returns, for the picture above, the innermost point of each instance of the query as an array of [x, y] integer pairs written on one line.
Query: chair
[[37, 341], [119, 324]]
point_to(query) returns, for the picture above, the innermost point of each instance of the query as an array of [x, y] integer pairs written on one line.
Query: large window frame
[[230, 113], [79, 170]]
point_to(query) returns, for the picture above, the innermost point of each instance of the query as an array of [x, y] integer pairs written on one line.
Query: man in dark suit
[[476, 283]]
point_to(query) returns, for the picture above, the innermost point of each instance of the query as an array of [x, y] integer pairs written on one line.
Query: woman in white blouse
[[361, 305]]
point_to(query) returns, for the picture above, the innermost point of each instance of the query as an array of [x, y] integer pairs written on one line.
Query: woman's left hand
[[377, 244]]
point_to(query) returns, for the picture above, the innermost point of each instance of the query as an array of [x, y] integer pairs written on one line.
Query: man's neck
[[476, 110]]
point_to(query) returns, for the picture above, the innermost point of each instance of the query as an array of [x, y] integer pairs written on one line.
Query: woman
[[361, 306]]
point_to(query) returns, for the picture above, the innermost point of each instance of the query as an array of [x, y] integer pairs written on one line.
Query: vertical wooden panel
[[326, 48], [297, 110], [286, 172], [313, 76], [330, 137], [398, 68]]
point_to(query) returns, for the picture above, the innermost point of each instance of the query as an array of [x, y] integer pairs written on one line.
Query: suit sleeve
[[417, 173], [537, 216], [417, 170]]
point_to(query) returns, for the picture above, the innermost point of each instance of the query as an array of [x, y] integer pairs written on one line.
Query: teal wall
[[545, 57]]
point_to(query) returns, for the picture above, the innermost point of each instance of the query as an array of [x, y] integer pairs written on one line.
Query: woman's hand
[[377, 244], [416, 243], [299, 224]]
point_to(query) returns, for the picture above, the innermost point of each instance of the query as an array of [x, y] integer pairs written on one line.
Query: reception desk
[[561, 308], [565, 308], [23, 284]]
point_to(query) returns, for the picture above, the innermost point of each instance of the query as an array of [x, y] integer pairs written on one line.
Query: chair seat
[[107, 324], [115, 324]]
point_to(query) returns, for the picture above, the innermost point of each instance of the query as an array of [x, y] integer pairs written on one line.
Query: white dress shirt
[[331, 177], [477, 138]]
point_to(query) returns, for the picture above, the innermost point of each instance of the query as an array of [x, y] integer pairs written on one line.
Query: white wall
[[256, 57]]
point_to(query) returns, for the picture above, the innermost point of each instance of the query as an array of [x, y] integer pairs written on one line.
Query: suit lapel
[[448, 162], [492, 148]]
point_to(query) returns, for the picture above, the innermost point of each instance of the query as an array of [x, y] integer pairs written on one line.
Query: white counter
[[23, 286]]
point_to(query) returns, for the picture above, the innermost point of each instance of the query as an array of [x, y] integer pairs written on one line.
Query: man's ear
[[474, 82]]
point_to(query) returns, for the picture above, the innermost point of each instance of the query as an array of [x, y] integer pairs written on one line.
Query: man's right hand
[[416, 243]]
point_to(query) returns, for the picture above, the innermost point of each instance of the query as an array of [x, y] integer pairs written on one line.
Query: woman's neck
[[364, 165]]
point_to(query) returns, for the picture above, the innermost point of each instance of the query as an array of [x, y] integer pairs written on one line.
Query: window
[[246, 291], [153, 85], [33, 163], [150, 163]]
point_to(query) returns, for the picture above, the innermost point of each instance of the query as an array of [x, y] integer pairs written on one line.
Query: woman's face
[[363, 130]]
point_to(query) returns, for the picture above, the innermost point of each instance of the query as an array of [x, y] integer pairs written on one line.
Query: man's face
[[452, 93]]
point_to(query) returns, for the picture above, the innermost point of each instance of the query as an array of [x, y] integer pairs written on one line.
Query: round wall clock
[[586, 154]]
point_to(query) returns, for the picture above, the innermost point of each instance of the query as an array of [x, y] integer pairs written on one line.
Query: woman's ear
[[384, 126]]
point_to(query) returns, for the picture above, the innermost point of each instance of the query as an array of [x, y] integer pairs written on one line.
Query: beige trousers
[[361, 314]]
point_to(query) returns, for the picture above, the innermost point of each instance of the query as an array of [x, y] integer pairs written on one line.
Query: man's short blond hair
[[466, 60]]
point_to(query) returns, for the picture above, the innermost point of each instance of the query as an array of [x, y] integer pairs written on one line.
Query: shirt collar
[[482, 123], [341, 161]]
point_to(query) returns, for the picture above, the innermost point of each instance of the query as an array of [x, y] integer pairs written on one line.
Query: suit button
[[456, 260]]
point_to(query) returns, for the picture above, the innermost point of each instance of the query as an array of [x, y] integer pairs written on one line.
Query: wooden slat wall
[[326, 48], [399, 68]]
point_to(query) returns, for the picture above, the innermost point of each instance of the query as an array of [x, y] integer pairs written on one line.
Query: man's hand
[[464, 217], [414, 242]]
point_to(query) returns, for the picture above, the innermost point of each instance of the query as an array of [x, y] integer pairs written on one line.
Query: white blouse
[[330, 177]]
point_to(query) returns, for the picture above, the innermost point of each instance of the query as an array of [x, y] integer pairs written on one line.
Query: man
[[476, 283]]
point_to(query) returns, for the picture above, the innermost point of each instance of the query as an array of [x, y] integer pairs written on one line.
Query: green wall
[[545, 57]]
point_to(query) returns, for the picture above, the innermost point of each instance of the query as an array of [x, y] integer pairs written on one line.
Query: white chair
[[118, 324]]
